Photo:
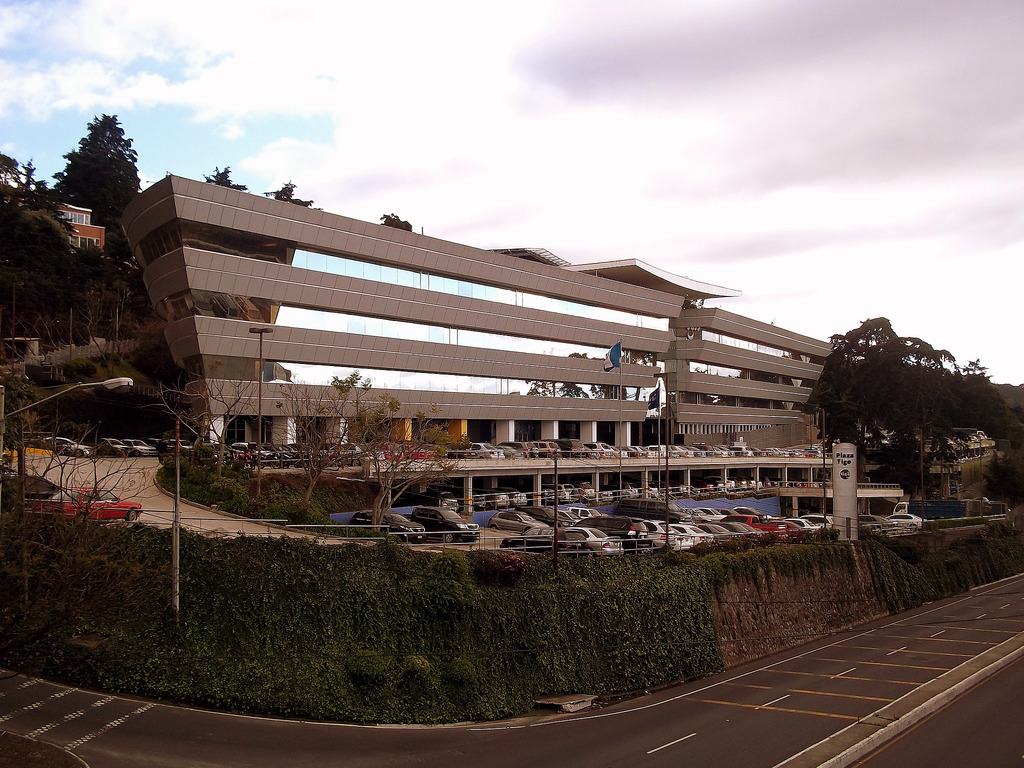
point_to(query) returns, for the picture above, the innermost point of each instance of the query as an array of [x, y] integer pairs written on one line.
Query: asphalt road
[[796, 709], [981, 728]]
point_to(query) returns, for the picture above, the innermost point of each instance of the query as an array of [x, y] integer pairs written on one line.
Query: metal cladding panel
[[444, 405], [713, 353], [712, 414], [722, 385], [742, 327], [386, 245], [317, 290], [301, 346]]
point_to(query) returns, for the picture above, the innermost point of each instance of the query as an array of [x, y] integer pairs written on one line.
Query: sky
[[834, 160]]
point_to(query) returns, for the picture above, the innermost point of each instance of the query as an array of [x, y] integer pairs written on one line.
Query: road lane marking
[[889, 664], [768, 705], [109, 726], [656, 749], [940, 632], [810, 692], [921, 651], [914, 683], [851, 669], [917, 617], [777, 709]]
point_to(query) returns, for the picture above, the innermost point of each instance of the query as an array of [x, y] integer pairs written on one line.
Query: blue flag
[[613, 358], [656, 400]]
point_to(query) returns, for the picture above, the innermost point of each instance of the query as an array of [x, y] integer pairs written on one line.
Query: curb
[[855, 741]]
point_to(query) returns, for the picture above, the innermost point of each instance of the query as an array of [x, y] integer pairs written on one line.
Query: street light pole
[[261, 332]]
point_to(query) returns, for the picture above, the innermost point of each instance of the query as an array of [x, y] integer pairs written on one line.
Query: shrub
[[80, 367]]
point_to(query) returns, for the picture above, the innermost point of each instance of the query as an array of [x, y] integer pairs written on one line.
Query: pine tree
[[101, 174]]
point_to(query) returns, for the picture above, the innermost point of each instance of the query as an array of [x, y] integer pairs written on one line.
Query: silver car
[[597, 542]]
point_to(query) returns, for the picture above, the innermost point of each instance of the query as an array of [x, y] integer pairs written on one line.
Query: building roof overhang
[[636, 272]]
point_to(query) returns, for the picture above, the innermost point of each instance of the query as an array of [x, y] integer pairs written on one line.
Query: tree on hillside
[[395, 221], [287, 194], [876, 384], [101, 174], [223, 179]]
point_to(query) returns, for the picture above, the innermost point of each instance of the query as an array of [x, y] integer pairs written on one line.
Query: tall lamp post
[[260, 331], [118, 383]]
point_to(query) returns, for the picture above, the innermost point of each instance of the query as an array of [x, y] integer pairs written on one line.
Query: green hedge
[[382, 633]]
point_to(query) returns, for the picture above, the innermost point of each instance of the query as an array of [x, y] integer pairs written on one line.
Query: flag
[[613, 358], [656, 400]]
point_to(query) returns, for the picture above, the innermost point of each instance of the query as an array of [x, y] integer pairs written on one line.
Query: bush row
[[382, 633]]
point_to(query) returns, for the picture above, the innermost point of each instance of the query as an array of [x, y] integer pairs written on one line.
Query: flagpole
[[668, 539], [619, 429]]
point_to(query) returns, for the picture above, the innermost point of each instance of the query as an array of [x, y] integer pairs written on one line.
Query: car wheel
[[132, 515], [448, 538]]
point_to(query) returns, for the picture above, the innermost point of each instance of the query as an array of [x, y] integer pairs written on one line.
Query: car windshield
[[98, 495]]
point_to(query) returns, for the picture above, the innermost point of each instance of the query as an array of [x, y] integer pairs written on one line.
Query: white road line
[[981, 617], [938, 633], [890, 653], [656, 749], [112, 724], [774, 701], [842, 673]]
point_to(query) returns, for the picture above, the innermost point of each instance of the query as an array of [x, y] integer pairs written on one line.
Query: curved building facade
[[503, 344]]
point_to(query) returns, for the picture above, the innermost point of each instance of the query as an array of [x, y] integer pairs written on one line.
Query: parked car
[[394, 523], [140, 447], [741, 530], [516, 497], [576, 449], [476, 451], [698, 536], [547, 515], [516, 450], [543, 449], [512, 520], [758, 521], [594, 541], [62, 446], [93, 503], [803, 524], [616, 525], [602, 450], [651, 509], [529, 542], [904, 521], [718, 531], [493, 499], [445, 524], [109, 446], [873, 523]]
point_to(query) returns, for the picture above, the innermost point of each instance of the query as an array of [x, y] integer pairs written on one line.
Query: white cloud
[[756, 145]]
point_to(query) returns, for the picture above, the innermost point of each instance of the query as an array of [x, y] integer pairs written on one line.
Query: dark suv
[[652, 509], [449, 525], [393, 523]]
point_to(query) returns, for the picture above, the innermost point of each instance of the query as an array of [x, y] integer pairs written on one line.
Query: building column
[[549, 430], [467, 495], [538, 486], [588, 431], [504, 430]]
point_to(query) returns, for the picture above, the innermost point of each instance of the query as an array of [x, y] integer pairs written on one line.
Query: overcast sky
[[835, 160]]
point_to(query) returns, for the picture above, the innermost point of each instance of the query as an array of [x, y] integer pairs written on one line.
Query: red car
[[94, 503], [764, 523]]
